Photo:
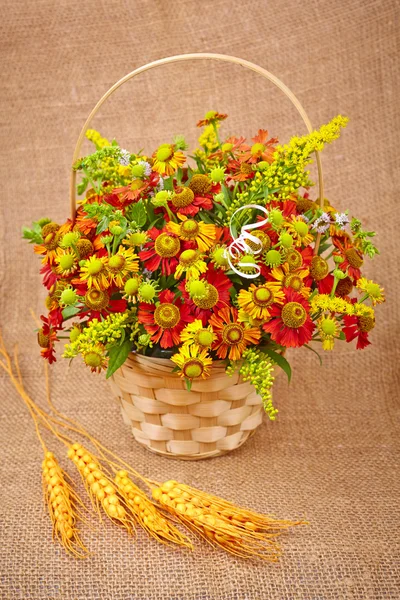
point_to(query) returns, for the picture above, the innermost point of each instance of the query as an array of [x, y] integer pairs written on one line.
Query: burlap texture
[[332, 454]]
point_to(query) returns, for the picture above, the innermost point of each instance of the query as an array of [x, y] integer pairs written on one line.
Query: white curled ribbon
[[240, 245]]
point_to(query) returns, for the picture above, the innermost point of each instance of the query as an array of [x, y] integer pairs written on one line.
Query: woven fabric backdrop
[[332, 454]]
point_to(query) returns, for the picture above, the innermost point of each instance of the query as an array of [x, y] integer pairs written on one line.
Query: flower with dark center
[[291, 325], [166, 321], [233, 337]]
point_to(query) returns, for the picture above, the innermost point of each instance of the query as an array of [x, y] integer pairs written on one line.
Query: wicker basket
[[219, 414], [216, 416]]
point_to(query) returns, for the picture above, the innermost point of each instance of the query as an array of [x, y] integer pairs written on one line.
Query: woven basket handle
[[200, 56]]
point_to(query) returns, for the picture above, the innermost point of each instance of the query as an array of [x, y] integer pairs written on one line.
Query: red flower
[[162, 250], [165, 321], [56, 318], [47, 336], [49, 276], [358, 327], [99, 303], [188, 203], [353, 259], [290, 325], [217, 294]]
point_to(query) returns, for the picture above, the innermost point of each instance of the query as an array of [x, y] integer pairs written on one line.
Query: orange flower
[[262, 149], [232, 337], [211, 117]]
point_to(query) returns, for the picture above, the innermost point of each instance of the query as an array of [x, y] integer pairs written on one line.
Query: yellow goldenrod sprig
[[323, 302]]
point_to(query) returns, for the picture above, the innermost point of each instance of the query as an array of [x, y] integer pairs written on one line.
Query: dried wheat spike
[[101, 489], [148, 516], [62, 502], [237, 530]]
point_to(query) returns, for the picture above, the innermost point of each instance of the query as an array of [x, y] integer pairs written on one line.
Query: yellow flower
[[121, 265], [374, 291], [329, 330], [190, 230], [66, 261], [292, 279], [192, 362], [167, 160], [244, 317], [299, 230], [191, 263], [138, 238], [196, 333], [94, 272], [257, 300]]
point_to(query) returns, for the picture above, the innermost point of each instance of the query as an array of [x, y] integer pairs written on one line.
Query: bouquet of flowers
[[220, 255]]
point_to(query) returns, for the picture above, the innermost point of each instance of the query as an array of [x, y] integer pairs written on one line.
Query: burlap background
[[332, 454]]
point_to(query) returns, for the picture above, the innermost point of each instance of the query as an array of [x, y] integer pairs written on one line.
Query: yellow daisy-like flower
[[191, 263], [138, 238], [196, 333], [95, 357], [259, 298], [329, 330], [193, 362], [122, 264], [375, 293], [299, 230], [292, 279], [244, 317], [190, 230], [66, 261], [166, 159], [95, 273]]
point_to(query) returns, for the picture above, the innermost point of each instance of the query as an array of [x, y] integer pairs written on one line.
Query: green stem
[[216, 133]]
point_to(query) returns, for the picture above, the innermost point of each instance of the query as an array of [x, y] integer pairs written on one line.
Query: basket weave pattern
[[216, 416]]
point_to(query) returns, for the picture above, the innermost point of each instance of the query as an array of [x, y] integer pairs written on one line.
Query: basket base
[[205, 455], [215, 417]]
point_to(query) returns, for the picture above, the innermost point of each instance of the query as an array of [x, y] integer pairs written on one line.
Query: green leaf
[[34, 235], [82, 185], [117, 356], [169, 184], [342, 336], [138, 213], [280, 360], [103, 225], [315, 352], [70, 311], [188, 384]]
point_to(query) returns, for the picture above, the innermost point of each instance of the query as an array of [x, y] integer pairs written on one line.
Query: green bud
[[275, 217], [338, 259], [138, 171], [116, 230], [217, 175], [286, 240], [273, 258], [339, 274], [68, 297]]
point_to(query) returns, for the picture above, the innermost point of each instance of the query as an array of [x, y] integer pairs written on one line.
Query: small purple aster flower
[[124, 158], [323, 222], [342, 220]]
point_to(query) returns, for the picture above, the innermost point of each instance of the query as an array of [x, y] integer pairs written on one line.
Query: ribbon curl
[[240, 245]]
